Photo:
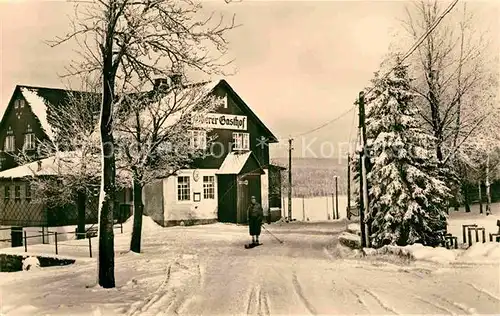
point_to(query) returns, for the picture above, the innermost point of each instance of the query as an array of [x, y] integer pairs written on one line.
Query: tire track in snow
[[379, 301], [267, 310], [249, 301], [298, 290], [135, 309], [371, 294], [462, 307], [262, 304], [491, 295], [360, 300], [259, 301], [439, 306]]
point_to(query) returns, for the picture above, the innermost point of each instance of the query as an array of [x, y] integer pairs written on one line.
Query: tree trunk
[[80, 204], [135, 242], [480, 198], [488, 193], [106, 261], [465, 193]]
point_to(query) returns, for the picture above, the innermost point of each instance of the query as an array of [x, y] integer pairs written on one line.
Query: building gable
[[236, 106]]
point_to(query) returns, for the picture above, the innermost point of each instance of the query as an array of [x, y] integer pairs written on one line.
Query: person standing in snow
[[255, 215]]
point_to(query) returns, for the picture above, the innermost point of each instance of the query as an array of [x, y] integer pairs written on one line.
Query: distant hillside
[[314, 176]]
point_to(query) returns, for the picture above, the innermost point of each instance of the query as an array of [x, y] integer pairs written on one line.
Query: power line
[[410, 51], [419, 42], [327, 123]]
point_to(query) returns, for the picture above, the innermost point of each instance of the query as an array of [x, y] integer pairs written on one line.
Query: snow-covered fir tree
[[407, 199]]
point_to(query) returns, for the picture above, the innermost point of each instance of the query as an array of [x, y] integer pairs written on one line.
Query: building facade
[[27, 121], [215, 188], [219, 186]]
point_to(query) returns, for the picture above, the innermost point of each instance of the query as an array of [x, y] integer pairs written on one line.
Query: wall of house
[[264, 182], [152, 197], [189, 212], [19, 212], [224, 138], [17, 120]]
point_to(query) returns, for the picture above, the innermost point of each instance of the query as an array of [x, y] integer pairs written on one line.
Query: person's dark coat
[[255, 215]]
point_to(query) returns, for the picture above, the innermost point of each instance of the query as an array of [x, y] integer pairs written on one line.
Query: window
[[208, 187], [6, 196], [2, 162], [17, 193], [198, 140], [28, 192], [183, 189], [9, 143], [225, 101], [19, 103], [29, 141], [241, 141]]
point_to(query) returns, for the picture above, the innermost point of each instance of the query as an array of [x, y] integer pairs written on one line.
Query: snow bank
[[148, 224], [489, 251], [350, 240], [416, 252], [354, 228], [31, 263]]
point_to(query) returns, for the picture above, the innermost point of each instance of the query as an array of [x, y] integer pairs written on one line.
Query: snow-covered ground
[[206, 270], [457, 219], [318, 208]]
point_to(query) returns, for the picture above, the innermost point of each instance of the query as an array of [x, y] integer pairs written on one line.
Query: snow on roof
[[180, 103], [233, 163], [63, 163], [39, 108], [48, 167]]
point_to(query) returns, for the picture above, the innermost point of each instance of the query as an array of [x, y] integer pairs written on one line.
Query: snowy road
[[206, 270]]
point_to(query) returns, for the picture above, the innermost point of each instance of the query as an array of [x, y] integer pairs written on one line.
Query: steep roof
[[248, 110], [235, 162], [42, 100]]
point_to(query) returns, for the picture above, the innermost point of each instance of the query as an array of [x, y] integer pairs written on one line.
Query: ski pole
[[279, 240]]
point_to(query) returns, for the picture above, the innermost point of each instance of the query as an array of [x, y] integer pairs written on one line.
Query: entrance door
[[248, 186], [243, 200]]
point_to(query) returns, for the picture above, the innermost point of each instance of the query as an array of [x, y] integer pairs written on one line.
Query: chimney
[[175, 79], [160, 83], [169, 82]]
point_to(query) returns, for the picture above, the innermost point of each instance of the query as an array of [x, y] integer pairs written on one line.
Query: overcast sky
[[300, 63]]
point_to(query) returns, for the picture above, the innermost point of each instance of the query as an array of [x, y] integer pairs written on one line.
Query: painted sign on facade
[[224, 121]]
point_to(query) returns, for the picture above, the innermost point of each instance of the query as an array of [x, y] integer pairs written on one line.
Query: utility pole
[[348, 186], [480, 198], [488, 193], [361, 104], [290, 179], [333, 206], [336, 198]]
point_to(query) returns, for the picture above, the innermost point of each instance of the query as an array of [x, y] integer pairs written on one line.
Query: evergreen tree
[[407, 199]]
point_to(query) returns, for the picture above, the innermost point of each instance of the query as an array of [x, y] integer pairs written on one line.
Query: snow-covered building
[[215, 188], [28, 120], [219, 186]]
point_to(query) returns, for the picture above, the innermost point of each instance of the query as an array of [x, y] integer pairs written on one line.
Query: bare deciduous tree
[[453, 76], [157, 135], [128, 42], [73, 151]]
